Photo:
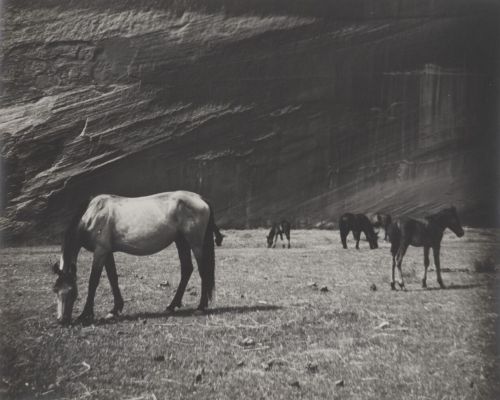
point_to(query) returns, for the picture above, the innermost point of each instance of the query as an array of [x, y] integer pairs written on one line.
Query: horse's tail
[[207, 272]]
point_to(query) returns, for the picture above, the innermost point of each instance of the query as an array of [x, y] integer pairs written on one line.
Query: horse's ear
[[55, 269]]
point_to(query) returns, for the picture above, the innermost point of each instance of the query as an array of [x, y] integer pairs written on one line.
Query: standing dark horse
[[357, 223], [139, 226], [425, 233], [278, 229], [381, 220]]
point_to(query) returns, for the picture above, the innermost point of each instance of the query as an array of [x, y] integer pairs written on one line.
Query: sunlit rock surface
[[270, 109]]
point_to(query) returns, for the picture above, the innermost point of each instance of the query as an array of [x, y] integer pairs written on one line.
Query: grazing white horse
[[139, 226]]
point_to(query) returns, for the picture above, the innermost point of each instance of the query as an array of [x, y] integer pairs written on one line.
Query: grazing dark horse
[[139, 226], [426, 233], [278, 230], [357, 223], [381, 220]]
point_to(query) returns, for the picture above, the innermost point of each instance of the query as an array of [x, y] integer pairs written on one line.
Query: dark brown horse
[[278, 230], [138, 226], [381, 220], [357, 223], [426, 233]]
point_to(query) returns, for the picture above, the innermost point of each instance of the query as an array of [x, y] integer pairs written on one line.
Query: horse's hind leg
[[205, 290], [399, 261], [357, 236], [343, 237], [426, 265], [184, 252], [288, 238], [437, 263], [113, 282], [87, 314]]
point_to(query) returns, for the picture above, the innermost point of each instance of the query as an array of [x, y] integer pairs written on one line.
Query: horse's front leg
[[435, 251], [87, 314], [184, 252], [393, 281], [113, 282], [426, 265], [275, 240]]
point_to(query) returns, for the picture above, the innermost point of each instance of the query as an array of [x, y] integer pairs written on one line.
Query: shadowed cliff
[[267, 108]]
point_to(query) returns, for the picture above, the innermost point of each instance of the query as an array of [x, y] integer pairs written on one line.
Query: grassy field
[[271, 333]]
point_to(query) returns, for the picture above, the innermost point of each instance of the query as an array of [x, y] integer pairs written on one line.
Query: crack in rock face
[[269, 109]]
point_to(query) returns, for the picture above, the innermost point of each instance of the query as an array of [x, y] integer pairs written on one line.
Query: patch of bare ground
[[273, 331]]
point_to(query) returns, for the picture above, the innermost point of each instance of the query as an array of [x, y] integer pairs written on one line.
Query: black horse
[[278, 229], [426, 233], [357, 223], [381, 220]]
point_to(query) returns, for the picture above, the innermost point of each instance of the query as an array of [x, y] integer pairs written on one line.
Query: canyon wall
[[270, 109]]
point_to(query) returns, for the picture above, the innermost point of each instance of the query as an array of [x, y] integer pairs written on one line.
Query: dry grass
[[419, 344]]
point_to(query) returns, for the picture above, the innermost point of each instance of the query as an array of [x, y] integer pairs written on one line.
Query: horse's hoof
[[200, 311], [170, 311], [393, 286], [442, 286], [85, 319], [424, 284], [402, 287]]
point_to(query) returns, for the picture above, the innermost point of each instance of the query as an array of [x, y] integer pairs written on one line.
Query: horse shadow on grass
[[188, 312], [448, 287]]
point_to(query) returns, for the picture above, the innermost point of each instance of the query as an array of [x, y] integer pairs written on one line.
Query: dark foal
[[278, 230], [357, 223], [381, 220], [426, 233]]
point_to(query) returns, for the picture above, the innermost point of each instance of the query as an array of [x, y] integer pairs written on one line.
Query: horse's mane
[[437, 216]]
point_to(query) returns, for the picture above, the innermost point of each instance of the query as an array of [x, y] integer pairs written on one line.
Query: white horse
[[138, 226]]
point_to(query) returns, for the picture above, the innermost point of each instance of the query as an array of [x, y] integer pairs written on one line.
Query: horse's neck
[[438, 222], [70, 250]]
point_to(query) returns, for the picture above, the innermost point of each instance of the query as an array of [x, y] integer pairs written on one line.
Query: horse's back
[[412, 231], [145, 225]]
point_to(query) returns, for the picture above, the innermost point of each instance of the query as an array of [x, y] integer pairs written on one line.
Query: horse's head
[[66, 291], [269, 241], [453, 222], [219, 238]]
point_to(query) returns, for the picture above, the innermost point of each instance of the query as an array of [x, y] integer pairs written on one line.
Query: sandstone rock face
[[270, 109]]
